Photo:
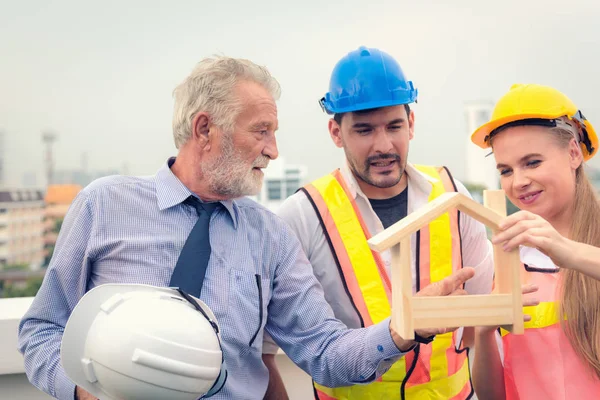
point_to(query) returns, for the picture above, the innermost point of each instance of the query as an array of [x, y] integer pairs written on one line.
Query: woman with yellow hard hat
[[540, 141]]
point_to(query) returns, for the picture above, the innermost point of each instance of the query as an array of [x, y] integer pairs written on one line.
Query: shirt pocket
[[249, 296]]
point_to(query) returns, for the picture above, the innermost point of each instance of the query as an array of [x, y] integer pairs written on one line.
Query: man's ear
[[411, 125], [335, 131], [201, 127]]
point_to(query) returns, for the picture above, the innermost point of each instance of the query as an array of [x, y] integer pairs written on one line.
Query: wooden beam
[[427, 213], [496, 200], [414, 221], [482, 214], [507, 265], [457, 311], [512, 263], [402, 320]]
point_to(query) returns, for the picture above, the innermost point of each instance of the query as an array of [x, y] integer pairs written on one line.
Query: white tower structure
[[479, 168]]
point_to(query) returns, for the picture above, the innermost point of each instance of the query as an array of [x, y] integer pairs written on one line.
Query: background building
[[280, 181], [58, 199], [480, 170], [21, 228]]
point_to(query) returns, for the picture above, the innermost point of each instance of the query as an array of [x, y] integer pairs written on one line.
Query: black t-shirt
[[391, 210]]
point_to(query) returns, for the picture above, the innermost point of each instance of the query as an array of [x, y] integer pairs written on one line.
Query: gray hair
[[209, 88]]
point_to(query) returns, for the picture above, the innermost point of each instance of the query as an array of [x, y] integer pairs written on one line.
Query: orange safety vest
[[542, 364], [434, 371]]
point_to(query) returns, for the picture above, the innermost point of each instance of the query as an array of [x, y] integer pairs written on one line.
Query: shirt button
[[380, 348]]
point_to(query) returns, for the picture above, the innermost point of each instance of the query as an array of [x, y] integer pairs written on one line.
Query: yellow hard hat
[[531, 101]]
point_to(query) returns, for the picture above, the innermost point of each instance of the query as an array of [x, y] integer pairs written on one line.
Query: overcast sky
[[101, 74]]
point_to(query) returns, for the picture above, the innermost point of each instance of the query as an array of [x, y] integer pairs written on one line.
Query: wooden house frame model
[[503, 307]]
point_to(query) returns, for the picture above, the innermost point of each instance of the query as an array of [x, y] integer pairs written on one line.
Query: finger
[[529, 288], [516, 229], [448, 330], [530, 302], [459, 292], [514, 218], [434, 331], [526, 317], [534, 237]]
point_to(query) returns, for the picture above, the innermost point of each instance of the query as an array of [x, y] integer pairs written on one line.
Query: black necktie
[[192, 263]]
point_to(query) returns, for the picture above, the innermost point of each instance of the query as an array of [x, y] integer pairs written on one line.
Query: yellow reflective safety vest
[[438, 370]]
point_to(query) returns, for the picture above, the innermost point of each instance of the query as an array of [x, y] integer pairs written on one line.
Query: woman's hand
[[524, 228]]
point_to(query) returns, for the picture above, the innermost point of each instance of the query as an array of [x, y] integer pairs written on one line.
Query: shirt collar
[[416, 180], [170, 191]]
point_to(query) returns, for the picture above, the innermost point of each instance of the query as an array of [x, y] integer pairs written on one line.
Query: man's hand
[[449, 286], [81, 394]]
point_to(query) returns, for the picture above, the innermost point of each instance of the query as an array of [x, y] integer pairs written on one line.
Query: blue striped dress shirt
[[132, 229]]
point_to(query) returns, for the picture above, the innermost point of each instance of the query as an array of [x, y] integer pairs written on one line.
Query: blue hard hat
[[367, 78]]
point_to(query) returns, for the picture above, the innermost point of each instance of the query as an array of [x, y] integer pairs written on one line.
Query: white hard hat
[[129, 342]]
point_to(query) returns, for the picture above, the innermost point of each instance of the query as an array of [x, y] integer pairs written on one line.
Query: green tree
[[475, 188], [31, 288], [57, 226], [50, 247], [510, 207], [15, 267]]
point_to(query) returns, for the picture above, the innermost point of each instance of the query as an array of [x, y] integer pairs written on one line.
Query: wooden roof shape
[[424, 215], [504, 307]]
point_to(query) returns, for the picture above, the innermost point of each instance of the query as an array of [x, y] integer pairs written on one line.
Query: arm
[[40, 330], [488, 372], [303, 324], [276, 389], [291, 211], [81, 394], [527, 229], [585, 259]]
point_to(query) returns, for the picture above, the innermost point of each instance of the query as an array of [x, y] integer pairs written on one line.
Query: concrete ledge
[[11, 312]]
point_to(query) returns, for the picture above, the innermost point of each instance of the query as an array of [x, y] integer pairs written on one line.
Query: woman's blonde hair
[[580, 294]]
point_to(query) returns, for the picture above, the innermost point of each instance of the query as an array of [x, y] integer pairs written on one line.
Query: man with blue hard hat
[[335, 215]]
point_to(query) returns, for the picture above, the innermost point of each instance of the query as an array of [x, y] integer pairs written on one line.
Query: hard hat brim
[[331, 109], [81, 319], [479, 136]]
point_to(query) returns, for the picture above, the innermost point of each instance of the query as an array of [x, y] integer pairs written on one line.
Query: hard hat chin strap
[[222, 378], [219, 383], [197, 307], [584, 137]]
